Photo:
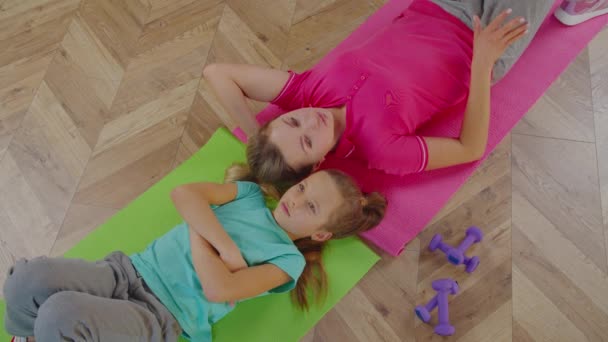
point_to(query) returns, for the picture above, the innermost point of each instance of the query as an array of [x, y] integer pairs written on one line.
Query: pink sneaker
[[573, 12]]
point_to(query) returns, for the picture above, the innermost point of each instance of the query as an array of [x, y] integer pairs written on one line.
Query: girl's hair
[[357, 213], [266, 162]]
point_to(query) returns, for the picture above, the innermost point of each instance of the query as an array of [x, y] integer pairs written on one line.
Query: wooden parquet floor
[[99, 99]]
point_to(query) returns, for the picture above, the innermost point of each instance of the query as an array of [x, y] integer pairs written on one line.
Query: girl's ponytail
[[374, 206]]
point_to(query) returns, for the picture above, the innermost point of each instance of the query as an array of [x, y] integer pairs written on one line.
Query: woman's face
[[304, 136]]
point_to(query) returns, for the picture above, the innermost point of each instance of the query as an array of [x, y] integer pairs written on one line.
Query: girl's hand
[[234, 260], [492, 41]]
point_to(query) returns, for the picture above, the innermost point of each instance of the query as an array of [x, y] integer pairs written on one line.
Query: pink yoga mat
[[414, 200]]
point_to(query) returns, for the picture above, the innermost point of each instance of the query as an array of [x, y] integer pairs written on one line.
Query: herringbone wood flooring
[[101, 98]]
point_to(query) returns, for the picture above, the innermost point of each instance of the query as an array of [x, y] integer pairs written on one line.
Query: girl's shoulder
[[247, 189]]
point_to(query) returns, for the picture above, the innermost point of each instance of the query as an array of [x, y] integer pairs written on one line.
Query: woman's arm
[[221, 285], [192, 202], [471, 145], [490, 43], [233, 82]]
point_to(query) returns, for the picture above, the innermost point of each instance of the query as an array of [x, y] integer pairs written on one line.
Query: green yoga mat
[[270, 318]]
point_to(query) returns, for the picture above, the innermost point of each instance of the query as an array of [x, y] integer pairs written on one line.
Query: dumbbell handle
[[442, 302], [464, 245], [444, 247], [432, 304]]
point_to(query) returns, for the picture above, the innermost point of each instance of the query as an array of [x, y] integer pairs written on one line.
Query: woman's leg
[[31, 282], [534, 11]]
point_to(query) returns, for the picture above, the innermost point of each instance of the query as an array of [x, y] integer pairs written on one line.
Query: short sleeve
[[292, 264], [247, 189], [400, 156], [295, 93]]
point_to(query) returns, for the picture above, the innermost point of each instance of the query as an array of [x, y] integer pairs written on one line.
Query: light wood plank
[[498, 164], [565, 111], [202, 123], [495, 328], [115, 27], [472, 305], [491, 212], [365, 322], [116, 132], [332, 328], [30, 230], [313, 37], [161, 8], [60, 131], [79, 221], [538, 316], [271, 27], [92, 58], [179, 58], [19, 82], [77, 96], [39, 39], [241, 37], [397, 299], [598, 54], [18, 16], [556, 247], [50, 152], [568, 196], [558, 288], [111, 191]]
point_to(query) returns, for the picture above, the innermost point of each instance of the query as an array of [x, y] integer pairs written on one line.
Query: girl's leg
[[77, 316], [31, 282], [534, 11]]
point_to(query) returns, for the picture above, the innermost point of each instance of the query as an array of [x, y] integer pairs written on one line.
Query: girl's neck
[[292, 237]]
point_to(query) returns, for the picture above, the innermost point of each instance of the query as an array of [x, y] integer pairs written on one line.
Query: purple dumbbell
[[440, 300], [456, 255]]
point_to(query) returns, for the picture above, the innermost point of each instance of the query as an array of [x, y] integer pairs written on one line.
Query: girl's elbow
[[217, 295], [214, 296], [178, 192]]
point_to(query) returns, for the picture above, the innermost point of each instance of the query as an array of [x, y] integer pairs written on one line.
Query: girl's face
[[307, 206], [304, 136]]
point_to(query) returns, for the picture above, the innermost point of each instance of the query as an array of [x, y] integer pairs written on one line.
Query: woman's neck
[[339, 114]]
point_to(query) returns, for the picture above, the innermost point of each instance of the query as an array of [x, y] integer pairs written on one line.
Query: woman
[[368, 102]]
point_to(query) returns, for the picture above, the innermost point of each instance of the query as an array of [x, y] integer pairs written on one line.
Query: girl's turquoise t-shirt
[[166, 264]]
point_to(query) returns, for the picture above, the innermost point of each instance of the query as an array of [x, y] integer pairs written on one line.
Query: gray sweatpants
[[57, 299], [534, 11]]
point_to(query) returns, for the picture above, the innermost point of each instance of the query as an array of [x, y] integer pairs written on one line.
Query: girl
[[368, 103], [231, 247]]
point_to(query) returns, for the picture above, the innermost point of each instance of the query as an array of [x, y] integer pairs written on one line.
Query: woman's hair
[[357, 213], [266, 162], [241, 172]]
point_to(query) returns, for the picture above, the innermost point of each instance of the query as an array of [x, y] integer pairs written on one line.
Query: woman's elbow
[[478, 153], [212, 70]]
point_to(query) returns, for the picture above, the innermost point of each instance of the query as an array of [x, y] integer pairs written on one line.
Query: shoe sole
[[570, 20]]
